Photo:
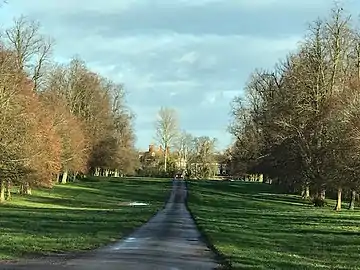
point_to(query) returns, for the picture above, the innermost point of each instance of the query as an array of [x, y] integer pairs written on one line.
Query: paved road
[[168, 241]]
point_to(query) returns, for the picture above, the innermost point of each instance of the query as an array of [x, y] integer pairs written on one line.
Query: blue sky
[[192, 55]]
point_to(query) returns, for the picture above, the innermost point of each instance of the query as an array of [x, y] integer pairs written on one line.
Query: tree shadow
[[77, 216], [271, 230]]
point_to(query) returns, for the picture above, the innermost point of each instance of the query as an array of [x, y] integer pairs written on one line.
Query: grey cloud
[[218, 17], [219, 63]]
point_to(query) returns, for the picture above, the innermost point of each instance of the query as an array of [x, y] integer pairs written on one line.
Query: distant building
[[152, 155]]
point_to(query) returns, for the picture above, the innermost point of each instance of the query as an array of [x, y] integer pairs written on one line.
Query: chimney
[[151, 148]]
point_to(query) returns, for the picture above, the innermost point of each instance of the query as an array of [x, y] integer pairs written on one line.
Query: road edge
[[225, 264]]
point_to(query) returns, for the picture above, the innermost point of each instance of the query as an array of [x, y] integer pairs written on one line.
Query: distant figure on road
[[179, 175]]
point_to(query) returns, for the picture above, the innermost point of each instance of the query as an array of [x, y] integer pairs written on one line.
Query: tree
[[99, 105], [12, 123], [167, 131], [202, 158], [32, 49], [127, 156], [42, 147], [184, 144], [29, 144], [74, 147]]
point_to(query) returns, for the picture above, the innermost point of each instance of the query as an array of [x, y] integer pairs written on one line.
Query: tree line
[[56, 120], [299, 123]]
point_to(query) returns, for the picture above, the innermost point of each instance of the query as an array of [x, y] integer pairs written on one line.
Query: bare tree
[[184, 141], [202, 158], [184, 145], [32, 49], [167, 130]]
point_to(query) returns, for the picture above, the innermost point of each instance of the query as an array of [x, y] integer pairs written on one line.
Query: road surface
[[168, 241]]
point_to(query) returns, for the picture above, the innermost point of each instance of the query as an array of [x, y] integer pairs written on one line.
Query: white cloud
[[230, 94], [189, 57], [210, 98]]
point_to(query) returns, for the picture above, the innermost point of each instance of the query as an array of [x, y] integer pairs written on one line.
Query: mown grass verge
[[77, 216], [253, 226]]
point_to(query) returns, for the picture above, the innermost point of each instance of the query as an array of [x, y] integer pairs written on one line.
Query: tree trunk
[[352, 200], [97, 171], [21, 189], [106, 172], [8, 190], [338, 202], [2, 191], [58, 178], [25, 189], [165, 160], [64, 177], [306, 192], [74, 176], [116, 174], [322, 193]]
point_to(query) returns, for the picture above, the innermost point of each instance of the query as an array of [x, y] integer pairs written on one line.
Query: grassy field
[[77, 216], [255, 227]]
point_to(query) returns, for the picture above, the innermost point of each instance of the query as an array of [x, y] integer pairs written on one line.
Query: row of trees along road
[[299, 124], [56, 120], [181, 150]]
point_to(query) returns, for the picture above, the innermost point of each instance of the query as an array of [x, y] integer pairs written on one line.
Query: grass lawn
[[77, 216], [255, 227]]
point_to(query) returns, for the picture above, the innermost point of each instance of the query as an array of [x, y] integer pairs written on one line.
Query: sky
[[191, 55]]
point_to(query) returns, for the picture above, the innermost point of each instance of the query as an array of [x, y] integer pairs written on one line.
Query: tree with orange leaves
[[29, 146], [42, 148], [71, 133], [12, 124]]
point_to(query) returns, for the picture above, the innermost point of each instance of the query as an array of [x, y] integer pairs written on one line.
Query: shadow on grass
[[256, 227], [77, 216]]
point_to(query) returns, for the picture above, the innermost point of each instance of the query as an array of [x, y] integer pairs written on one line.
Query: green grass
[[77, 216], [255, 227]]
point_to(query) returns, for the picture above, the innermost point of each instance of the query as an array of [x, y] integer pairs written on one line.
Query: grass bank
[[77, 216], [256, 227]]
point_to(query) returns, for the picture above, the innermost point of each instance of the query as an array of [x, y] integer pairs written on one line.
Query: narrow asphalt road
[[170, 240]]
